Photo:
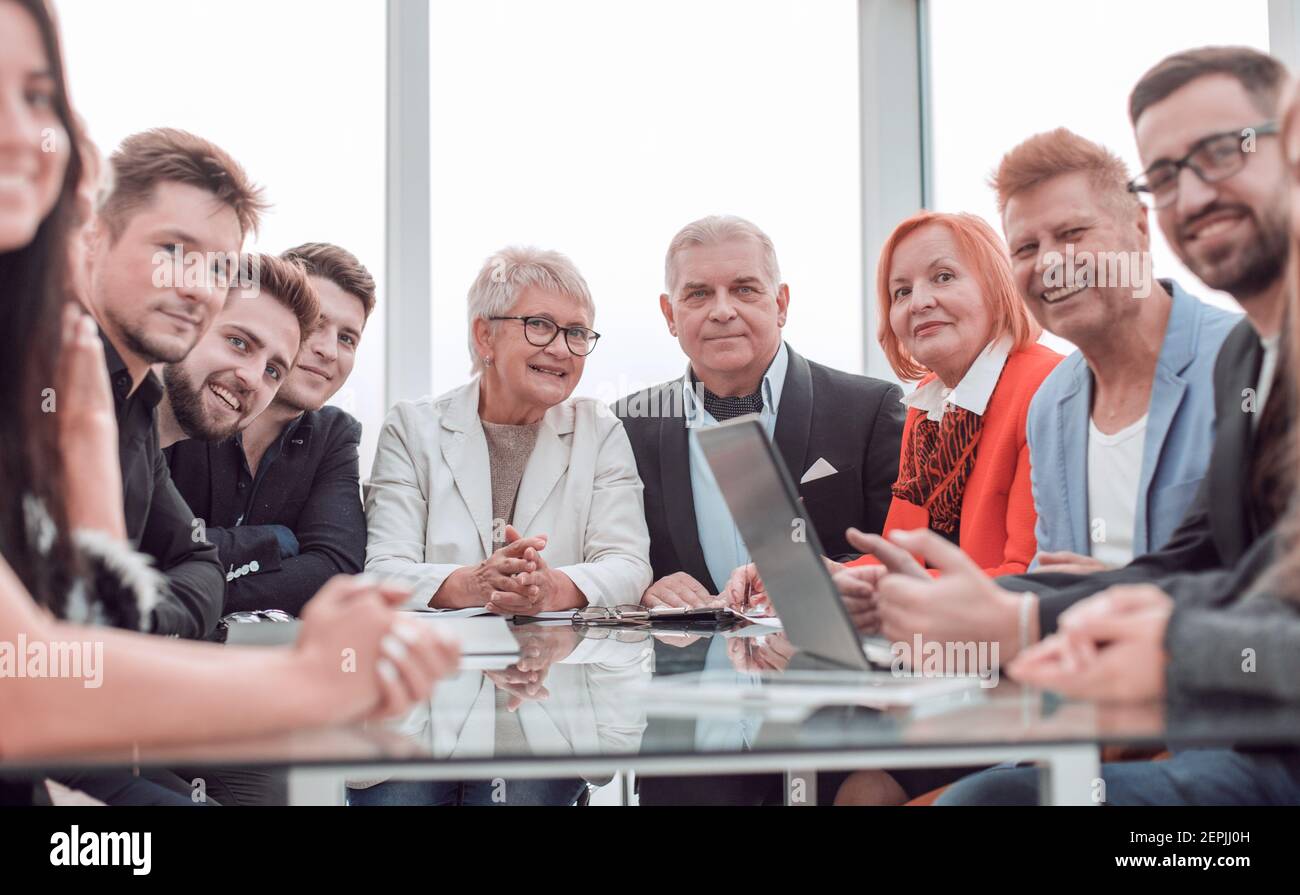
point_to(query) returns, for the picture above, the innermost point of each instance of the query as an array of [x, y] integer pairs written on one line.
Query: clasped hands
[[1107, 648], [539, 649], [514, 580]]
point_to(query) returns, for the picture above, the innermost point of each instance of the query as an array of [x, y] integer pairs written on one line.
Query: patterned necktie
[[724, 408]]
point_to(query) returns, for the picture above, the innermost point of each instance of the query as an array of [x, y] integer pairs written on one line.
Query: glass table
[[592, 703]]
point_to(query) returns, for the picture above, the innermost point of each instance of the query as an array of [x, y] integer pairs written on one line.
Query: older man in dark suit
[[838, 433]]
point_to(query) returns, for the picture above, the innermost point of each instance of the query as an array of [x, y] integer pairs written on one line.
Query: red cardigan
[[997, 509]]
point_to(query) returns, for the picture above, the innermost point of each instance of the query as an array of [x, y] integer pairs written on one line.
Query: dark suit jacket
[[854, 422], [1219, 546], [312, 487], [158, 521]]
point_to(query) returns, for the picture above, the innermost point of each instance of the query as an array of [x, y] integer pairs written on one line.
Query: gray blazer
[[1247, 645]]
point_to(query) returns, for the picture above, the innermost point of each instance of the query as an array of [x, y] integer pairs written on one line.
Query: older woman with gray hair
[[505, 492]]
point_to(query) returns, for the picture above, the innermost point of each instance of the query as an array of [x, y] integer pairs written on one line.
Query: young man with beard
[[236, 369], [226, 382], [281, 498], [174, 196]]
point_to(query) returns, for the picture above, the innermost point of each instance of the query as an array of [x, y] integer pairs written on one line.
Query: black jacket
[[158, 521], [311, 486], [854, 422], [1219, 547]]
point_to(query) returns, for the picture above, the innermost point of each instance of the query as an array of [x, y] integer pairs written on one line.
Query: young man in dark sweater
[[281, 499]]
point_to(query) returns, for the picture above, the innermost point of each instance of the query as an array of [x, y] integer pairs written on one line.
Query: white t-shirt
[[1114, 470]]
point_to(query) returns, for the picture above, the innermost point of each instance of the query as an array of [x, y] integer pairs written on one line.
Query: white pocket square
[[818, 470]]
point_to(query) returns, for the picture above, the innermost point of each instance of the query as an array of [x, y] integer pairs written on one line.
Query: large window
[[599, 129], [1003, 72], [293, 89]]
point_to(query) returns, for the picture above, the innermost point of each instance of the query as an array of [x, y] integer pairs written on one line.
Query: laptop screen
[[780, 539]]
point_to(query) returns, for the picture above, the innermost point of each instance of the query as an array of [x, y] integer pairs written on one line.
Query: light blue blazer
[[1179, 434]]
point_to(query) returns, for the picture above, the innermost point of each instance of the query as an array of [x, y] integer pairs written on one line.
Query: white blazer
[[429, 499], [588, 712]]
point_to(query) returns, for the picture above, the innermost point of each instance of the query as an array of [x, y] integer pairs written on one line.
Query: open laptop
[[783, 545]]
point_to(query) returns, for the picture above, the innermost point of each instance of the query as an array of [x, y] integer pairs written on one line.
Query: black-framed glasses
[[1213, 158], [541, 331]]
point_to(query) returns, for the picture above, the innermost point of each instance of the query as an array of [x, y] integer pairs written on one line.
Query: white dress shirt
[[724, 548]]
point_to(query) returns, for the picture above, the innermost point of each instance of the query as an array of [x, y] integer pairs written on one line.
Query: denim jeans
[[1190, 777]]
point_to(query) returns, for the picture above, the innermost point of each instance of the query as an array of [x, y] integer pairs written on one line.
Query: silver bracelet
[[1026, 604]]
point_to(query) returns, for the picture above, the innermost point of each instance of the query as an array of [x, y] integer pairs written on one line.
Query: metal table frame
[[1070, 769]]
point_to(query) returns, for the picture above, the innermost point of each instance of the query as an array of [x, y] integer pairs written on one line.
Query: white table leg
[[316, 786], [1072, 776]]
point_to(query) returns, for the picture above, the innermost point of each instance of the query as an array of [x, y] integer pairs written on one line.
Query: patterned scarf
[[937, 461]]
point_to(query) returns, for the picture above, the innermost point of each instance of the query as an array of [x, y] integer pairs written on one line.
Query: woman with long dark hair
[[59, 474], [33, 280]]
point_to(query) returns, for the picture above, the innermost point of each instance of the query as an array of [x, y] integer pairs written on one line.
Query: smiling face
[[235, 370], [160, 314], [326, 358], [936, 310], [724, 311], [30, 179], [524, 374], [1064, 211], [1232, 234]]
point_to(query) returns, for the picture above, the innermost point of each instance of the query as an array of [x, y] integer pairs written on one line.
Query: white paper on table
[[477, 636], [467, 612], [767, 621], [744, 631]]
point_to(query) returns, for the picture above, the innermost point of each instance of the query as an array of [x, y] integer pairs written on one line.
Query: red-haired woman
[[950, 316]]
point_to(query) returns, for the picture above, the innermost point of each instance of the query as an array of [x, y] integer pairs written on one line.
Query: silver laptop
[[781, 541]]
